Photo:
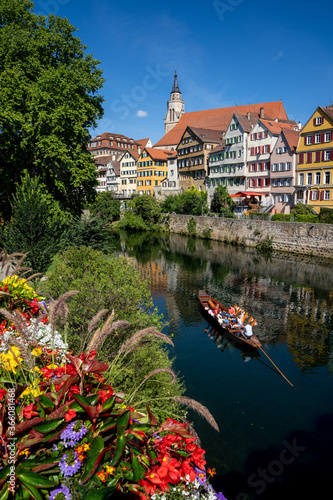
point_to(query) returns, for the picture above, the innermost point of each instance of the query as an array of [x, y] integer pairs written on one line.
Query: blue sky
[[226, 52]]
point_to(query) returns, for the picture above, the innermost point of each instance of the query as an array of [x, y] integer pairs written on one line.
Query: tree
[[36, 225], [106, 207], [147, 208], [48, 100], [221, 202], [191, 202]]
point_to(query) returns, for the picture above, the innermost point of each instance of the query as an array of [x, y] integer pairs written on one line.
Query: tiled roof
[[276, 127], [328, 110], [245, 122], [142, 142], [133, 152], [218, 119], [219, 147], [292, 137], [206, 134], [160, 154], [102, 160]]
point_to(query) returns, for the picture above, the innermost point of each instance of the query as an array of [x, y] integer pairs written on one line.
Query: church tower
[[175, 107]]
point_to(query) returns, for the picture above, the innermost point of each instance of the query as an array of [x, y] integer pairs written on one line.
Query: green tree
[[221, 202], [36, 225], [148, 208], [48, 100], [106, 207], [191, 202]]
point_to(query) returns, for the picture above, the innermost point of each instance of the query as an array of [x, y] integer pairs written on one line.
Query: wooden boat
[[234, 332]]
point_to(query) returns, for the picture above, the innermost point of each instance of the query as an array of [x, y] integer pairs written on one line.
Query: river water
[[275, 440]]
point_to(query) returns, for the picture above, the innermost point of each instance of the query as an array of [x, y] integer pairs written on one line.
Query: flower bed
[[66, 434]]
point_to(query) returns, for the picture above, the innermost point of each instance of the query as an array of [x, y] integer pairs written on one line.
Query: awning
[[244, 194]]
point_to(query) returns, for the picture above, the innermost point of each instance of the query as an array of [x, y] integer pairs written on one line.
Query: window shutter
[[310, 195], [313, 138], [269, 148], [331, 154], [252, 151], [314, 121], [322, 195], [305, 140], [322, 137], [323, 156]]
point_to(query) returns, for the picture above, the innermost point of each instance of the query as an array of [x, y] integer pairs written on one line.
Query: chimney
[[248, 115], [262, 114], [299, 125]]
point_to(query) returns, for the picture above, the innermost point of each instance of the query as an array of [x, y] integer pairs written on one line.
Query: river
[[275, 440]]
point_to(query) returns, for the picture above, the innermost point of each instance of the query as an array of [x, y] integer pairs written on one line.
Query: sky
[[225, 52]]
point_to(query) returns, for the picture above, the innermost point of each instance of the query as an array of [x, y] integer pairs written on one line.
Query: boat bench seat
[[211, 304]]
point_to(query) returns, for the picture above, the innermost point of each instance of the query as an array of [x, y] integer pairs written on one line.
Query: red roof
[[218, 119]]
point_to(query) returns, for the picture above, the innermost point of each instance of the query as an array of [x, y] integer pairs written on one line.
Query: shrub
[[106, 207], [191, 227]]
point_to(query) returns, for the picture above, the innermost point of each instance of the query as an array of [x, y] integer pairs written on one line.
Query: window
[[317, 138], [301, 179], [315, 196], [317, 178], [327, 136], [318, 120], [327, 177], [327, 155], [309, 178], [326, 195], [308, 139]]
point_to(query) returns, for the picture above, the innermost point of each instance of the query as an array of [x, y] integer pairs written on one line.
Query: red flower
[[28, 411], [3, 392], [70, 414]]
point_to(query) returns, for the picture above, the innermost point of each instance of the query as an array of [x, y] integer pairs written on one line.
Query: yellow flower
[[11, 359], [25, 452], [109, 470], [32, 389], [37, 351]]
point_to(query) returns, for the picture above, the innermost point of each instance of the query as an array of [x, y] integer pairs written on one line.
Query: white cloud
[[141, 113]]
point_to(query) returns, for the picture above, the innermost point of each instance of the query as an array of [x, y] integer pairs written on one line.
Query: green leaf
[[4, 472], [93, 455], [123, 420], [4, 492], [100, 494], [36, 480], [46, 402], [136, 469], [33, 492], [108, 404], [121, 443], [49, 425]]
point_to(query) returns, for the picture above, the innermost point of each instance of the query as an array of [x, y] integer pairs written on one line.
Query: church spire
[[175, 87]]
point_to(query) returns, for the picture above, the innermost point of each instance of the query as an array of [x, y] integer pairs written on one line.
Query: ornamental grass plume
[[135, 339], [9, 265], [199, 408], [101, 334]]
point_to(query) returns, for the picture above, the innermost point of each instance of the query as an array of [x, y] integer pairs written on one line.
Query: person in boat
[[216, 310], [241, 316], [231, 310], [248, 331]]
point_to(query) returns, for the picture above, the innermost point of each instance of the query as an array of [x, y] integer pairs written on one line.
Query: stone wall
[[295, 237]]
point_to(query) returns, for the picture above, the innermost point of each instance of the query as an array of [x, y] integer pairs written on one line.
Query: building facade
[[228, 161], [152, 168], [109, 144], [315, 161], [283, 171], [128, 173], [262, 141], [192, 156]]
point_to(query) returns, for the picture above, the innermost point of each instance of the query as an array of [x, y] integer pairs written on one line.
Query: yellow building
[[152, 168], [314, 180]]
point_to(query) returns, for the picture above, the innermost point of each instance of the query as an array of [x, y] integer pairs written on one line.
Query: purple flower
[[69, 464], [73, 433], [60, 494], [220, 496]]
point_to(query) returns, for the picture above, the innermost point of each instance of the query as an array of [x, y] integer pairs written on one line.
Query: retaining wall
[[295, 237]]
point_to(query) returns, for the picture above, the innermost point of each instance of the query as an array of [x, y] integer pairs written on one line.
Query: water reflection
[[256, 410], [290, 296]]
